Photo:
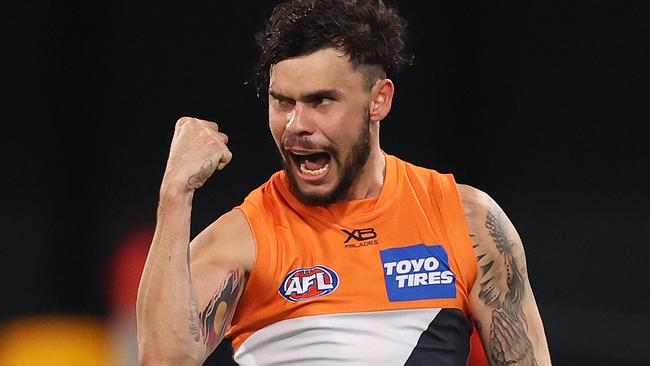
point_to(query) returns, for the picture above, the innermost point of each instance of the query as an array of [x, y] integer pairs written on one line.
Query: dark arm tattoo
[[502, 288], [218, 313], [513, 294]]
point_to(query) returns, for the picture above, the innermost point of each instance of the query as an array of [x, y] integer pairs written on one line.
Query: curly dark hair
[[368, 31]]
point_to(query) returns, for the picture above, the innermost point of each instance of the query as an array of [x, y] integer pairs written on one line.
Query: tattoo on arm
[[194, 318], [197, 180], [502, 288], [209, 326]]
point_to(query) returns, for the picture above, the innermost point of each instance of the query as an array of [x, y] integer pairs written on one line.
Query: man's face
[[318, 115]]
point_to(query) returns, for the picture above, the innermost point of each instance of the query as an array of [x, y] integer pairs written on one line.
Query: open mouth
[[311, 165]]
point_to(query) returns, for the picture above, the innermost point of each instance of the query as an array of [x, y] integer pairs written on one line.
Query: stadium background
[[544, 105]]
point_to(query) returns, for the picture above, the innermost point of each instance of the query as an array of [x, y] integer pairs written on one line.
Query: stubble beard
[[349, 171]]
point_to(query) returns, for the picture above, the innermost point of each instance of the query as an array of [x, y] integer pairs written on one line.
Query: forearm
[[169, 322], [167, 314]]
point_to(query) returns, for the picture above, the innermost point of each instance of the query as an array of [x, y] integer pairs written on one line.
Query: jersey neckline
[[349, 211]]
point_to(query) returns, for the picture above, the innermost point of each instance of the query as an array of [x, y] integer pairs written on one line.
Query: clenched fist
[[197, 150]]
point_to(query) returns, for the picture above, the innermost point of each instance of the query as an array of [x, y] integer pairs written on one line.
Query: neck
[[371, 179]]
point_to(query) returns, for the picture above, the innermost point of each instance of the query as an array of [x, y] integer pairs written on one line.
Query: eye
[[280, 102], [321, 101], [326, 101]]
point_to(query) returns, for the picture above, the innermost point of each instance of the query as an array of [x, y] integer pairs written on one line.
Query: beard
[[349, 170]]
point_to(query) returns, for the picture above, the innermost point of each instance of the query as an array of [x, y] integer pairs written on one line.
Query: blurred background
[[544, 105]]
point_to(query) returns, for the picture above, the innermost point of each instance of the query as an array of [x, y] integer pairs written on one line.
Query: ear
[[381, 99]]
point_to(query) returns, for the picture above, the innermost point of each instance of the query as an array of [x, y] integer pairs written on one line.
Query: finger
[[213, 126], [225, 160], [215, 139], [179, 125], [223, 137]]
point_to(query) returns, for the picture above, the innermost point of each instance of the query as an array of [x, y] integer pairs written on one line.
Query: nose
[[299, 121]]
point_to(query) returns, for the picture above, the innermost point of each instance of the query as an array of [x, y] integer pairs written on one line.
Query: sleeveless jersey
[[380, 281]]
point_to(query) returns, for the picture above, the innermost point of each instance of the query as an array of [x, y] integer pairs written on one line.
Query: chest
[[402, 259]]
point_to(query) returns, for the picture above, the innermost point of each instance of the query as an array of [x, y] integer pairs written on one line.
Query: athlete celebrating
[[348, 256]]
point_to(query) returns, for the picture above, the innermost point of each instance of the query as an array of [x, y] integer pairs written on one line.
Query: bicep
[[501, 300], [220, 258]]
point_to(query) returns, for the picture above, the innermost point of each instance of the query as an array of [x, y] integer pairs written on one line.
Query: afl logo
[[306, 283]]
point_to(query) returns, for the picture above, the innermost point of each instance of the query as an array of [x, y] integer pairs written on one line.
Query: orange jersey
[[383, 280]]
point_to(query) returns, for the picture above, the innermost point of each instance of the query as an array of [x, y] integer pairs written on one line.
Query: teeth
[[314, 172]]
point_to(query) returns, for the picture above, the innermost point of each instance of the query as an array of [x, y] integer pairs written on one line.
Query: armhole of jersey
[[260, 236], [465, 255], [262, 259], [459, 231]]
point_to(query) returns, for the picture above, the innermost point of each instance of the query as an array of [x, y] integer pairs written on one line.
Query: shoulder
[[497, 245], [485, 216], [228, 241], [270, 190], [475, 202]]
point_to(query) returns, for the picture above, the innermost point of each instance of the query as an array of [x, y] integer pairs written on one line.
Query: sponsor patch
[[306, 283], [418, 272]]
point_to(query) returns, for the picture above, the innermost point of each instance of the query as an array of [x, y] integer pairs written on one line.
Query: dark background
[[544, 105]]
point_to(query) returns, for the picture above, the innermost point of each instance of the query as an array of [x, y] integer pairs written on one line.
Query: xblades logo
[[364, 237], [360, 234]]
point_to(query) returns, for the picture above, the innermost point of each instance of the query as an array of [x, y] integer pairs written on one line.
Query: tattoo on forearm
[[218, 313], [193, 316], [195, 329], [502, 288]]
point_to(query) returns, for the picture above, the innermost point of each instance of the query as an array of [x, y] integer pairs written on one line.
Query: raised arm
[[501, 300], [187, 296]]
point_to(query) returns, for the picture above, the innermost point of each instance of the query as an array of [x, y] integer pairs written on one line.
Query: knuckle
[[227, 155], [211, 139], [183, 120], [213, 125]]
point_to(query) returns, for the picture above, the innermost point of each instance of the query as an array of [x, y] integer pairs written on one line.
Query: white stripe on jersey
[[351, 339]]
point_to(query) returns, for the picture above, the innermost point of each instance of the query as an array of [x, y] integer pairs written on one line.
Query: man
[[348, 256]]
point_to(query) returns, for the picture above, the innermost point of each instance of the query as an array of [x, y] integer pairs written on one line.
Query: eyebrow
[[309, 97]]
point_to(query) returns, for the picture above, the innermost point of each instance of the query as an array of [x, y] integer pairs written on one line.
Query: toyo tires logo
[[418, 272], [306, 283]]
